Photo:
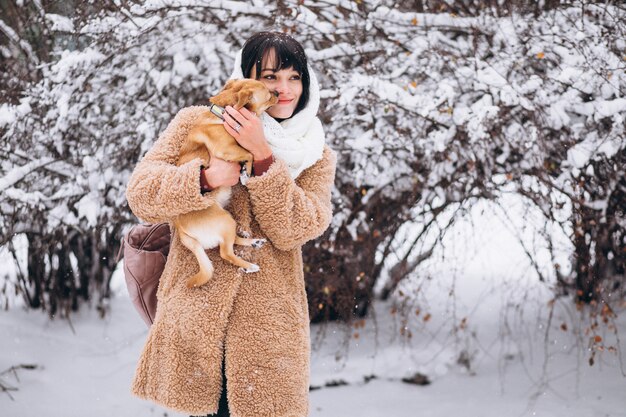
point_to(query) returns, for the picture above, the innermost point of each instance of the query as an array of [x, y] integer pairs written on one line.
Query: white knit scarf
[[299, 140]]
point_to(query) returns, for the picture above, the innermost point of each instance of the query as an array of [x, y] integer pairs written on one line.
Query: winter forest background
[[456, 123]]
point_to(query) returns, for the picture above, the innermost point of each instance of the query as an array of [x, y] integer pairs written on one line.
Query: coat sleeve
[[158, 189], [289, 212]]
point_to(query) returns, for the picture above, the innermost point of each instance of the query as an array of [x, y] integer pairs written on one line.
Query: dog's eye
[[275, 93]]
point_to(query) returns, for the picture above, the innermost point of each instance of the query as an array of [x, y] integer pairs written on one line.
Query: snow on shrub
[[429, 112]]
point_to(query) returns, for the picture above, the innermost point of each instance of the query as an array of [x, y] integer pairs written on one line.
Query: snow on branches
[[445, 110], [428, 111]]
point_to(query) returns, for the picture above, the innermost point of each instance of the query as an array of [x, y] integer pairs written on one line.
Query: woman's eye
[[269, 77], [295, 77]]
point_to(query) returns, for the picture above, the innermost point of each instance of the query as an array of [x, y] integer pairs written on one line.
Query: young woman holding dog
[[240, 345]]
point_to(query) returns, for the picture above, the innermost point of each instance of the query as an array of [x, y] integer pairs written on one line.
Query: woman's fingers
[[222, 173], [237, 114], [231, 125], [246, 113], [247, 132]]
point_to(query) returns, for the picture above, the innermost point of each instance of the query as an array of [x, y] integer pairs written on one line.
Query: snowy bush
[[436, 111], [430, 112]]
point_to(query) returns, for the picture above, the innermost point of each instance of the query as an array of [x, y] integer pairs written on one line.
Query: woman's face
[[287, 82]]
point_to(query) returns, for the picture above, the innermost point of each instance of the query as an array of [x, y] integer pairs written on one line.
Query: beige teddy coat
[[259, 322]]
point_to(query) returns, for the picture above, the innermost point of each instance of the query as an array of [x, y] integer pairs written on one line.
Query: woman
[[254, 327]]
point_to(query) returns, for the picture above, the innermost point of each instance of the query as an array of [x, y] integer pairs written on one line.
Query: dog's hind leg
[[226, 252], [206, 267], [255, 243]]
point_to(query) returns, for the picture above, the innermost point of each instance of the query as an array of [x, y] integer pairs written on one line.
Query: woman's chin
[[280, 113]]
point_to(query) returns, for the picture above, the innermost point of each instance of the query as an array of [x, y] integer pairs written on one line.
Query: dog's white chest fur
[[223, 196]]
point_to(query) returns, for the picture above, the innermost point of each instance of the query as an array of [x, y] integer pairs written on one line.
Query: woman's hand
[[222, 173], [247, 129]]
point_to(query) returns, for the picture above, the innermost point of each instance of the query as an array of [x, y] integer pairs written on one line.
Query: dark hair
[[289, 53]]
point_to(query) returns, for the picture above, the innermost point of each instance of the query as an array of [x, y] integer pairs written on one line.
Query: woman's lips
[[283, 101]]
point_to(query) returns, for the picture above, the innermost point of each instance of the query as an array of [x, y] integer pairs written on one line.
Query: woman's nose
[[282, 86]]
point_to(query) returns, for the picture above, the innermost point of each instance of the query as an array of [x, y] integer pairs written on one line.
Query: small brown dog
[[213, 226]]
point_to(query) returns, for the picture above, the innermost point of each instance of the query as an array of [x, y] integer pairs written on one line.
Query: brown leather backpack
[[145, 248]]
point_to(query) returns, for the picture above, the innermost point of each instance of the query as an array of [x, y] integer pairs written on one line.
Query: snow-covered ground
[[510, 365]]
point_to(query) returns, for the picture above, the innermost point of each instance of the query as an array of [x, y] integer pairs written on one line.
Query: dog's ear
[[227, 95], [243, 97], [225, 90], [228, 84]]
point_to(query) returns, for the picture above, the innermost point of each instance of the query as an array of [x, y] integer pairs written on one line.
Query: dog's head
[[248, 93]]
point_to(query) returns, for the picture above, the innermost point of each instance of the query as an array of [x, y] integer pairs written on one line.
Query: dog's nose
[[275, 93]]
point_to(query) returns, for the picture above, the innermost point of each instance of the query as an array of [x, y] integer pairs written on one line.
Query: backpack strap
[[120, 251]]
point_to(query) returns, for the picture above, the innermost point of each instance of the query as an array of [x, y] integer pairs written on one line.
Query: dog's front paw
[[245, 234], [252, 268], [258, 243], [243, 177]]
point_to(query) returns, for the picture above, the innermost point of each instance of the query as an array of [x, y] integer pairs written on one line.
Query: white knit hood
[[299, 140]]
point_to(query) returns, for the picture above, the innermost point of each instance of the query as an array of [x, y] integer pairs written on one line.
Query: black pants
[[222, 409]]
